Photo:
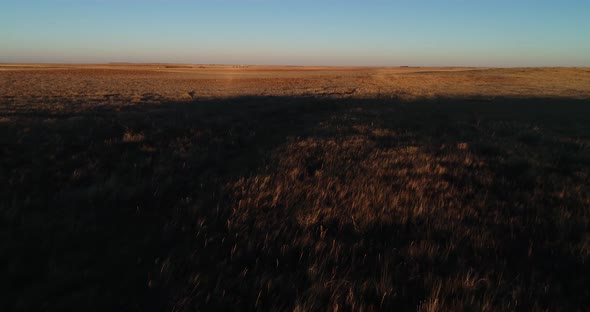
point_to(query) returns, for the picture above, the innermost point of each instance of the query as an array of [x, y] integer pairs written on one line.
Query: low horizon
[[222, 155], [276, 65]]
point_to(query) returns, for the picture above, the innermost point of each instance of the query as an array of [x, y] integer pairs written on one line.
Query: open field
[[187, 188]]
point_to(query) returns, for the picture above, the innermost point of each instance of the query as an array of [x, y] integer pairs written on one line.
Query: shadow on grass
[[298, 203]]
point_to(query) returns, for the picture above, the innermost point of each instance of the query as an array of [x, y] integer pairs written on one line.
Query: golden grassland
[[198, 187]]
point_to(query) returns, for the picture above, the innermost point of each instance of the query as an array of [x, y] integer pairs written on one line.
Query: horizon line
[[282, 65]]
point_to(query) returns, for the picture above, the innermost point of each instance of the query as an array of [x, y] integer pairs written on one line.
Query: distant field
[[206, 187]]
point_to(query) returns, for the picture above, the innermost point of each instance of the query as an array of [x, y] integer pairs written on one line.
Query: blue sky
[[412, 32]]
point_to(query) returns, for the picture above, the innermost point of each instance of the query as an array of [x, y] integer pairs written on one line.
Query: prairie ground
[[189, 188]]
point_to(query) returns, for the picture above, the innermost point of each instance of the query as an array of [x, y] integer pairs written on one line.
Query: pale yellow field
[[215, 188], [124, 84]]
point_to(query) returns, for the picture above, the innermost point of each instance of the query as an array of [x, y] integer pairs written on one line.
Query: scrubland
[[205, 188]]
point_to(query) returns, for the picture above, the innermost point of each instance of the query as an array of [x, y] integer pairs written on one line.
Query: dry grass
[[422, 189], [131, 137]]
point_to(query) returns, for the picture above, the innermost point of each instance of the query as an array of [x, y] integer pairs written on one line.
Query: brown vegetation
[[294, 188]]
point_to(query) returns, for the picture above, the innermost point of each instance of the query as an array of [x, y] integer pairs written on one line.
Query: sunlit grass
[[367, 201]]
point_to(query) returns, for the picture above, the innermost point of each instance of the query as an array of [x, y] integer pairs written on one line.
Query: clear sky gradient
[[380, 33]]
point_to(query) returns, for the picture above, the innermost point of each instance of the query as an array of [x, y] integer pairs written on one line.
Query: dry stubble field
[[181, 188]]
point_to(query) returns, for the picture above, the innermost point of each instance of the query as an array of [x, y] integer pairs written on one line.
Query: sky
[[322, 32]]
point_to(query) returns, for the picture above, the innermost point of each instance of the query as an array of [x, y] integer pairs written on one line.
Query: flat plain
[[202, 187]]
